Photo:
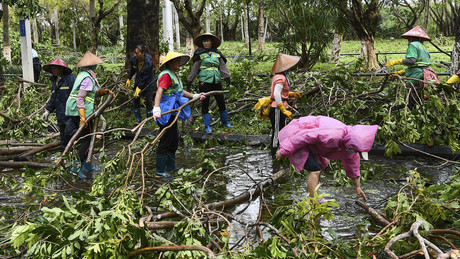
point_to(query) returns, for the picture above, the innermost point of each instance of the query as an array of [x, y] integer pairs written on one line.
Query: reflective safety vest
[[71, 105], [209, 68], [176, 83]]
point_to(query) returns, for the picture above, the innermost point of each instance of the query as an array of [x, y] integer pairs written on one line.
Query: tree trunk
[[246, 27], [208, 19], [35, 29], [336, 48], [261, 33], [6, 33], [427, 14], [455, 66], [74, 36], [368, 52], [191, 19], [92, 18], [189, 49], [56, 26], [141, 32], [176, 26]]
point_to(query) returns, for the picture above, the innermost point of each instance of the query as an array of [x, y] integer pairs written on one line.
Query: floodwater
[[389, 176], [246, 167]]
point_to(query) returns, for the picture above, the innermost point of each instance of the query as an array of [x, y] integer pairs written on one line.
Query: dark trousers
[[71, 126], [208, 87], [147, 95], [169, 142], [281, 123], [62, 137]]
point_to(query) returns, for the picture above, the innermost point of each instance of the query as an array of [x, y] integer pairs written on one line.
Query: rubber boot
[[77, 171], [171, 163], [89, 168], [149, 114], [224, 119], [137, 113], [207, 122], [162, 159]]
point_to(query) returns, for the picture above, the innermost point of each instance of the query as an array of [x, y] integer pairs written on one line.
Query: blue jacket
[[61, 92], [147, 75]]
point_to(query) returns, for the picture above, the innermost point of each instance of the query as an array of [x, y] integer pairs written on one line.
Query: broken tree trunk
[[22, 164], [382, 219], [246, 196]]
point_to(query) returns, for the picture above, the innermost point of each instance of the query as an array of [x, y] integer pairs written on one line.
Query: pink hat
[[57, 62], [416, 32]]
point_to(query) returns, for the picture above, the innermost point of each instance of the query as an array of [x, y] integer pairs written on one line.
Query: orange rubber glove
[[82, 114], [102, 92]]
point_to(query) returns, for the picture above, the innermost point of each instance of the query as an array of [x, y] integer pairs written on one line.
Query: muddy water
[[386, 177]]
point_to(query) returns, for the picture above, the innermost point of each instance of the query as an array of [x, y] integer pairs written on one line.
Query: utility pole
[[249, 32]]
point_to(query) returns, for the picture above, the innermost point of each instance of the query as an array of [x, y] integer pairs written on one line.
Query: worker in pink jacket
[[309, 143]]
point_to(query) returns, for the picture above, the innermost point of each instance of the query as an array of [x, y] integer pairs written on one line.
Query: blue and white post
[[26, 50]]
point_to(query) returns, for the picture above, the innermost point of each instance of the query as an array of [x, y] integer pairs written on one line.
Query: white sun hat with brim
[[184, 58], [284, 62]]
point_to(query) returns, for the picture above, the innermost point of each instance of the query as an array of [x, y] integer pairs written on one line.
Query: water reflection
[[386, 177]]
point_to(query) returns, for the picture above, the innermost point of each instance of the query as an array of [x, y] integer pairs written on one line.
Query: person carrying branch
[[280, 92], [417, 61], [170, 95], [309, 142], [62, 82], [141, 65], [79, 106], [210, 65]]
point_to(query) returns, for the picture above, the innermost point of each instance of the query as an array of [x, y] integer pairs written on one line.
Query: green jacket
[[71, 108], [209, 68]]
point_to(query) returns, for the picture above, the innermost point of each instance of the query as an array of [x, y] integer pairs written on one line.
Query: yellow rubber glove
[[136, 93], [454, 79], [394, 62], [284, 111], [81, 113], [295, 94], [128, 84], [399, 72]]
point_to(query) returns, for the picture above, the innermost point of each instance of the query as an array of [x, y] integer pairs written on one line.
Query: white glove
[[45, 115], [156, 112], [195, 96]]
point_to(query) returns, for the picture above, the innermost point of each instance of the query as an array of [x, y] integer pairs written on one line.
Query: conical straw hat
[[184, 58], [57, 62], [214, 39], [416, 32], [89, 59], [284, 62]]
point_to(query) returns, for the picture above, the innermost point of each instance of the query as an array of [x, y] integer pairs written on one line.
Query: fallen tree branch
[[22, 164], [382, 219]]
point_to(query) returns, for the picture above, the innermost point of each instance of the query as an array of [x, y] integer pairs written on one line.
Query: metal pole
[[26, 50]]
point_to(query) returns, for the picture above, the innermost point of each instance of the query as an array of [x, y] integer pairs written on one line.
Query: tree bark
[[261, 32], [6, 33], [246, 26], [97, 19], [56, 26], [455, 66], [336, 48], [141, 32]]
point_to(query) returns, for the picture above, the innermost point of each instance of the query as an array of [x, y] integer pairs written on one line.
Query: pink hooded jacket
[[327, 138]]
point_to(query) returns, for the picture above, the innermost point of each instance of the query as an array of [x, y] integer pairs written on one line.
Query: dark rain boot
[[207, 122], [162, 159], [224, 119], [77, 171], [149, 114], [171, 163], [89, 168], [137, 113]]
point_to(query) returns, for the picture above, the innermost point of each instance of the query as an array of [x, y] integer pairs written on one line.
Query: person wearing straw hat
[[141, 65], [210, 65], [170, 95], [309, 142], [280, 92], [417, 60], [62, 82], [80, 105]]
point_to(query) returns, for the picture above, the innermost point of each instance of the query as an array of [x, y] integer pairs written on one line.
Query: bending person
[[309, 143], [170, 95], [79, 106], [141, 65], [210, 65]]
